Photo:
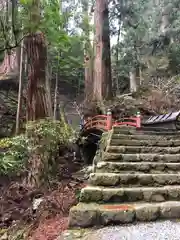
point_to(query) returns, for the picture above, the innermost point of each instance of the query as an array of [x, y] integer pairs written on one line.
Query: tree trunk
[[37, 101], [88, 78], [55, 98], [20, 89], [37, 106], [88, 52], [165, 20], [9, 64], [117, 59], [48, 90], [102, 63], [133, 82], [140, 76]]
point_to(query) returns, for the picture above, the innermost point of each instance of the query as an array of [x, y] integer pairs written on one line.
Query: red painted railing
[[98, 122], [106, 122]]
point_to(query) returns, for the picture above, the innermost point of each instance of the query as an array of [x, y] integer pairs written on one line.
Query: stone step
[[159, 128], [127, 180], [142, 167], [120, 195], [90, 215], [151, 142], [133, 131], [141, 157], [144, 137], [142, 149]]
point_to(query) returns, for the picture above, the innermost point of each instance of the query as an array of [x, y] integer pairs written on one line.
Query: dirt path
[[50, 229]]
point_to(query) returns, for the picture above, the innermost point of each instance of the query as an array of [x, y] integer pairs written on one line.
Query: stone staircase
[[136, 177]]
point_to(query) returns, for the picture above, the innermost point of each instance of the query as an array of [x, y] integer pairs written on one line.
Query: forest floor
[[20, 220], [54, 217]]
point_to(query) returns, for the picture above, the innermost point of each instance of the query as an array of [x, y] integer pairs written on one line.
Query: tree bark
[[117, 59], [133, 82], [9, 64], [55, 97], [88, 72], [165, 20], [88, 52], [48, 90], [37, 106], [102, 63], [37, 101], [20, 89]]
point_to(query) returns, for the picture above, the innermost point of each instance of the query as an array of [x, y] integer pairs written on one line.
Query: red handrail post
[[138, 120], [109, 119]]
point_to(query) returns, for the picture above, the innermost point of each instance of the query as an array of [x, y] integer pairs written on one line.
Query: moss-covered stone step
[[132, 131], [142, 149], [120, 195], [141, 157], [115, 179], [143, 167], [144, 137], [89, 215], [151, 142]]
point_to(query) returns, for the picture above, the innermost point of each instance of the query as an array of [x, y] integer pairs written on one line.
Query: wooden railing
[[99, 122], [106, 122]]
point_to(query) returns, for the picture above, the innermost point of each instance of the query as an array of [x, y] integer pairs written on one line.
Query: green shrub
[[13, 154], [42, 138], [48, 134], [45, 136]]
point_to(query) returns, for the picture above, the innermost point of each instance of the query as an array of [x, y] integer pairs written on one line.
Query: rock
[[87, 170], [91, 194], [128, 179], [109, 179], [83, 218], [170, 210], [147, 213], [113, 195], [151, 142], [112, 157], [119, 216], [174, 193], [132, 167], [4, 236], [116, 149], [145, 167], [133, 194], [154, 194], [37, 202], [143, 149], [169, 179], [136, 179], [145, 179], [157, 198]]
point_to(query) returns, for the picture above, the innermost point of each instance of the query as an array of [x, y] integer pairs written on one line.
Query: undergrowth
[[42, 137], [13, 154]]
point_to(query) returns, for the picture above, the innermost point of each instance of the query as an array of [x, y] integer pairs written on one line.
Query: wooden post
[[138, 120], [109, 119]]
